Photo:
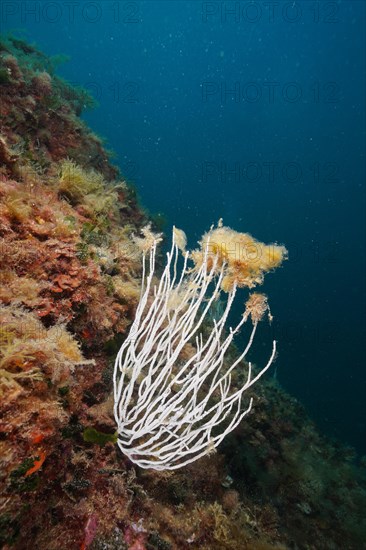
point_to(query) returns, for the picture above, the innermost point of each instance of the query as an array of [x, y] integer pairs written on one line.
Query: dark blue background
[[298, 152]]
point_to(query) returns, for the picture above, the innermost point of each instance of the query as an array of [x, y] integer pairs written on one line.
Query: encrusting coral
[[70, 277]]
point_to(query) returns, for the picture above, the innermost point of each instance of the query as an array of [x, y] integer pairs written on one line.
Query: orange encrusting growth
[[37, 438], [37, 464], [246, 259]]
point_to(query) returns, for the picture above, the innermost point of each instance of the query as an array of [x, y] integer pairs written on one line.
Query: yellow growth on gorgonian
[[245, 259]]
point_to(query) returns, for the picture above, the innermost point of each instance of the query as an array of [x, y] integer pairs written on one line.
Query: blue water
[[253, 112]]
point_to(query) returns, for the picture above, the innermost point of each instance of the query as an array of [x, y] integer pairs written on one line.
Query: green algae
[[91, 435]]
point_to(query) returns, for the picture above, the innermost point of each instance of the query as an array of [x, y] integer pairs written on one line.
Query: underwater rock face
[[69, 287]]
